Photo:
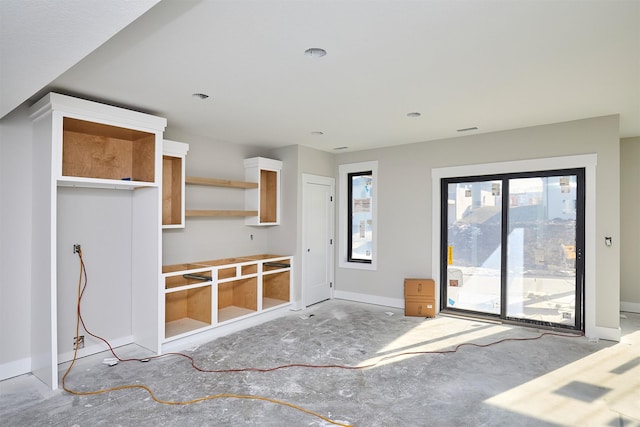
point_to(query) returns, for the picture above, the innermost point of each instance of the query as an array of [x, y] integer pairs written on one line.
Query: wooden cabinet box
[[266, 198], [419, 297], [173, 180]]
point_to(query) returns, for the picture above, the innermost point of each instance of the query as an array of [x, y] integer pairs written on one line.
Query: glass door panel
[[541, 249], [473, 243]]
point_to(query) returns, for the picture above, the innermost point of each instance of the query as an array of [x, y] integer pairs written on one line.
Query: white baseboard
[[632, 307], [15, 368], [203, 337], [369, 299], [609, 334], [95, 348]]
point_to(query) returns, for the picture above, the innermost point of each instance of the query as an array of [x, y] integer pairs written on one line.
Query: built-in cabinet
[[90, 150], [79, 143], [201, 295]]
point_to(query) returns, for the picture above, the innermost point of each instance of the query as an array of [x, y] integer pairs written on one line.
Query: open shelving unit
[[215, 182]]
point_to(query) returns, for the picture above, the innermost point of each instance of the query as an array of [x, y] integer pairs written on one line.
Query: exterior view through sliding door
[[512, 247]]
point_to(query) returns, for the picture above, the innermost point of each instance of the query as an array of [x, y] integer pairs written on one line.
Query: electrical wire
[[80, 320]]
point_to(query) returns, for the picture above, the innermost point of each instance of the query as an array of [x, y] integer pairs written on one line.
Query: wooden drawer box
[[422, 288]]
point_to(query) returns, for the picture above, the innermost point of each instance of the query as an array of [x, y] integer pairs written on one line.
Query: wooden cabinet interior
[[171, 190], [275, 289], [95, 150], [268, 196], [237, 298], [187, 310]]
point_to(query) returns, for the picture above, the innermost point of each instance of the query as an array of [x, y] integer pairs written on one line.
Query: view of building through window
[[524, 268], [361, 217]]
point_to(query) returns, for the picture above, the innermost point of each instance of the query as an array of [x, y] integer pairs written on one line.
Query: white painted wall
[[630, 223], [15, 243], [405, 233]]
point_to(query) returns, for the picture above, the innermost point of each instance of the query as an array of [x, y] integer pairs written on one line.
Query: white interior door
[[317, 238]]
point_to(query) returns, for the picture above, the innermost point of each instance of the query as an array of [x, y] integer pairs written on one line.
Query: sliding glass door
[[512, 246]]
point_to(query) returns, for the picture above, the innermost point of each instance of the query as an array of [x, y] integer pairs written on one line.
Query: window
[[358, 207], [360, 235]]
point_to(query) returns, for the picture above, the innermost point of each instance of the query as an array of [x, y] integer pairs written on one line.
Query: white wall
[[630, 223], [15, 243], [404, 194]]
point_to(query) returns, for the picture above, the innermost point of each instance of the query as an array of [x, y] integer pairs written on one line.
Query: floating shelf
[[209, 213], [215, 182]]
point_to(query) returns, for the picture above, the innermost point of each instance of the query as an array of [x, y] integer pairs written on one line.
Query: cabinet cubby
[[266, 197], [173, 180], [237, 298], [98, 151]]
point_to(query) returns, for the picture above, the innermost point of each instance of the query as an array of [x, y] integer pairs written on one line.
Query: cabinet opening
[[268, 196], [95, 150], [237, 298], [171, 190], [187, 310], [275, 289]]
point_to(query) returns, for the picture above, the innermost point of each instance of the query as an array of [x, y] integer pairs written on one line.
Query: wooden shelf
[[215, 182], [210, 213]]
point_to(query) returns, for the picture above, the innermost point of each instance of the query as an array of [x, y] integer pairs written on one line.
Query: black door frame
[[580, 244]]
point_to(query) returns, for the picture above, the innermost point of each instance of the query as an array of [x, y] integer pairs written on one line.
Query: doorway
[[317, 238], [513, 246]]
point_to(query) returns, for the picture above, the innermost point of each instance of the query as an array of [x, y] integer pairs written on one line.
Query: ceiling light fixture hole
[[315, 52]]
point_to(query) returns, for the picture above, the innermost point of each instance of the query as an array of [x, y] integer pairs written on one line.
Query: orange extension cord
[[80, 320]]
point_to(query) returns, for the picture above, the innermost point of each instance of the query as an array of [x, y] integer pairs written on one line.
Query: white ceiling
[[492, 64]]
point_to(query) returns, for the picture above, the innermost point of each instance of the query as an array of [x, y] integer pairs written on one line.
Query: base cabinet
[[205, 294]]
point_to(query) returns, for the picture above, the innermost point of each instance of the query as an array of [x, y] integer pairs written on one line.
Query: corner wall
[[630, 223], [15, 243]]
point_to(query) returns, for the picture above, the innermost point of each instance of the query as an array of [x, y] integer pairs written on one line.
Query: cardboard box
[[425, 288], [419, 307]]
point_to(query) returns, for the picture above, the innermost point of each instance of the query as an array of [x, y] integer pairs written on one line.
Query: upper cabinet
[[97, 145], [173, 179], [266, 198]]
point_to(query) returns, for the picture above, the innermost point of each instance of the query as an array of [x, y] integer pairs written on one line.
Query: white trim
[[343, 170], [15, 368], [609, 334], [631, 307], [369, 299], [586, 161], [331, 182], [195, 340], [95, 348]]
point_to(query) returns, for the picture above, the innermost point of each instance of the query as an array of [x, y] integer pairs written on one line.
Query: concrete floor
[[551, 381]]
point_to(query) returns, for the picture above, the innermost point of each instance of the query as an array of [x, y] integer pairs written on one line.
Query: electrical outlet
[[76, 248], [78, 342]]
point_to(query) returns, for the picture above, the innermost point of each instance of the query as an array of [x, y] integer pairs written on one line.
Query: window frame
[[344, 172]]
